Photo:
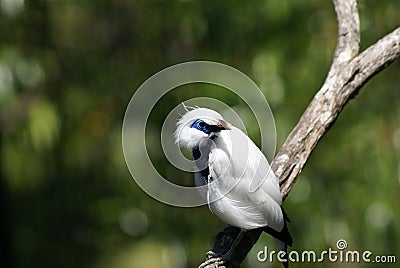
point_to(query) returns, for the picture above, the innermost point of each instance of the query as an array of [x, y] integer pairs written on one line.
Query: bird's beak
[[222, 125]]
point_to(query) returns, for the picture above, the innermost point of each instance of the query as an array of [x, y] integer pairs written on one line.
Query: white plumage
[[246, 191], [242, 189]]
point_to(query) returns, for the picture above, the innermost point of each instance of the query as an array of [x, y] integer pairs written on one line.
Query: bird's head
[[197, 125]]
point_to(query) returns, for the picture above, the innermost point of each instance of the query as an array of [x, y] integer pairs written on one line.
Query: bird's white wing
[[262, 177], [247, 187], [248, 163]]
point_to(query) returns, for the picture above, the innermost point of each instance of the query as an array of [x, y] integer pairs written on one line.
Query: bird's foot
[[211, 254], [212, 260]]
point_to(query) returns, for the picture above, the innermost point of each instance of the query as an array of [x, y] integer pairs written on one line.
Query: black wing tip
[[284, 235]]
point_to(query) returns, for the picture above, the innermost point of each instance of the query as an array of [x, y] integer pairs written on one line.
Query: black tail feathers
[[283, 237]]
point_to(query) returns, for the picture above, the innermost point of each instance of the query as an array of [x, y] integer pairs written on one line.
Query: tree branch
[[343, 82], [348, 73], [348, 42]]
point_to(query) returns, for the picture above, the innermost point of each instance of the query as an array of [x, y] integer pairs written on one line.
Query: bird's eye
[[202, 124]]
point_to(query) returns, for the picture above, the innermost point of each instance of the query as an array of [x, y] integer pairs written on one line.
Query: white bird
[[241, 189]]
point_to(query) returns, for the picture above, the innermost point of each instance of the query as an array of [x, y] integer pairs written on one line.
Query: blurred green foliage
[[67, 72]]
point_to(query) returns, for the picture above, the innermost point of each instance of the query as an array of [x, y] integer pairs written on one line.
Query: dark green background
[[67, 72]]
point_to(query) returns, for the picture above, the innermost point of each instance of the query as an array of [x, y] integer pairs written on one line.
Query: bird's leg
[[228, 255]]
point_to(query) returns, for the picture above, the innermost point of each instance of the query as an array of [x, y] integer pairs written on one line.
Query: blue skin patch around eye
[[202, 126]]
